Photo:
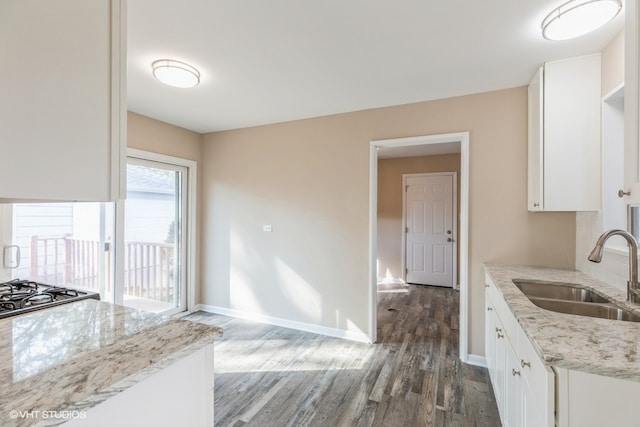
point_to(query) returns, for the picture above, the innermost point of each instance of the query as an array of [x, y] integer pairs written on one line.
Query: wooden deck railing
[[148, 267], [148, 270]]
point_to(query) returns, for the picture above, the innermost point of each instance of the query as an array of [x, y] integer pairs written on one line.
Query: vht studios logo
[[47, 415]]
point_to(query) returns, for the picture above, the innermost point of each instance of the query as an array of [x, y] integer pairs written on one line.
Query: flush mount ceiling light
[[578, 17], [175, 73]]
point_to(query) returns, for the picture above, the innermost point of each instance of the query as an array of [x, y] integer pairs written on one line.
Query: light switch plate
[[267, 227]]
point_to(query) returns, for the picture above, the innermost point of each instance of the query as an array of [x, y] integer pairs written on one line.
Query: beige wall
[[144, 133], [613, 64], [148, 134], [309, 179], [390, 173]]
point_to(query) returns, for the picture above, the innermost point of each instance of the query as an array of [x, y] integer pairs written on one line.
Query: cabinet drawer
[[509, 322]]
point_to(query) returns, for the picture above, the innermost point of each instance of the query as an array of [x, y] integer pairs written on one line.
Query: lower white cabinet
[[523, 385], [589, 400], [531, 393], [181, 394]]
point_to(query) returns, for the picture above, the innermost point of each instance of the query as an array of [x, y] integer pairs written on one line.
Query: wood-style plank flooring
[[270, 376]]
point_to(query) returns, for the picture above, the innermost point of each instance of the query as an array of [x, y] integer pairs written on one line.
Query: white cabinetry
[[62, 109], [522, 383], [631, 102], [564, 136], [181, 394], [588, 400]]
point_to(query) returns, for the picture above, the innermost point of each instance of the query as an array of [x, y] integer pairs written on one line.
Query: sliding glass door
[[132, 252], [154, 222]]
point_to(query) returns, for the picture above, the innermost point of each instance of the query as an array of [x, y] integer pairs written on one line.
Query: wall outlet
[[267, 228]]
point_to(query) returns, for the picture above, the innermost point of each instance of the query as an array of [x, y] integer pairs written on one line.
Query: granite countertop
[[597, 346], [75, 356]]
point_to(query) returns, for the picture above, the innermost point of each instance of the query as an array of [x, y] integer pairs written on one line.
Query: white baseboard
[[292, 324], [474, 359]]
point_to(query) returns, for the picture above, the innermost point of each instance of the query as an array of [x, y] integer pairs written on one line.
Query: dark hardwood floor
[[271, 376]]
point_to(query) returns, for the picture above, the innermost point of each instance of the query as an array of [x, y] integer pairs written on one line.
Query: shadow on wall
[[269, 274]]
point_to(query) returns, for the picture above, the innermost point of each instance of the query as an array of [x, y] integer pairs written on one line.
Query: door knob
[[448, 231], [449, 239]]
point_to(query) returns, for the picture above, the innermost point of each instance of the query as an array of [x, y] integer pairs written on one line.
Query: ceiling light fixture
[[175, 73], [578, 17]]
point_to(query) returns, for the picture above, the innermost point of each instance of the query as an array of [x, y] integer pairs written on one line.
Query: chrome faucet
[[633, 288]]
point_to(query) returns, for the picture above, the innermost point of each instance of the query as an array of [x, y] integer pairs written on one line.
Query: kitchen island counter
[[76, 356], [592, 345]]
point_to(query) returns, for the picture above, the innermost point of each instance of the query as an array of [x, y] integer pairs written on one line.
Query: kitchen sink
[[571, 298], [558, 291], [602, 311]]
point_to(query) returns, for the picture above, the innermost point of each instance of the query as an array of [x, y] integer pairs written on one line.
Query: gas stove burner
[[19, 296], [7, 305], [22, 284], [62, 291], [36, 299]]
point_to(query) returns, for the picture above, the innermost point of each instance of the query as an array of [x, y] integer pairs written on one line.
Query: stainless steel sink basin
[[558, 291], [571, 298], [602, 311]]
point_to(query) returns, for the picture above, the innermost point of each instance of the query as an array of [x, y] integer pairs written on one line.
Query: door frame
[[463, 139], [191, 226], [454, 230]]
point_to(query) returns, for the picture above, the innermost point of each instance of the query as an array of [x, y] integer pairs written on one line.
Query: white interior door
[[429, 202]]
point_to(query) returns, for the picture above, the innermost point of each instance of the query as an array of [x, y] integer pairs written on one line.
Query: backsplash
[[614, 268]]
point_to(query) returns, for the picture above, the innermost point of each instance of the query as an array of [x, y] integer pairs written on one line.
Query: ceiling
[[272, 61]]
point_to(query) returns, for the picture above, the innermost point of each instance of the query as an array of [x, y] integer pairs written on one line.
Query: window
[[144, 263], [64, 244]]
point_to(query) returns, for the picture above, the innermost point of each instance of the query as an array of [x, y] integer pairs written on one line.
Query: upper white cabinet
[[63, 104], [564, 136], [631, 97]]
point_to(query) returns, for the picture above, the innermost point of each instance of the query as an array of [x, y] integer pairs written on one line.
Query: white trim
[[118, 256], [463, 239], [118, 99], [475, 360], [373, 242], [454, 231], [192, 203], [291, 324], [615, 93]]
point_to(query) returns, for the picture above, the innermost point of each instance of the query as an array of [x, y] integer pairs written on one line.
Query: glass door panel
[[62, 244], [154, 277]]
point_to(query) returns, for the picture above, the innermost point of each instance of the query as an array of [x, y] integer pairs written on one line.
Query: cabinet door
[[490, 338], [62, 107], [513, 389], [631, 97], [532, 413], [572, 94], [535, 115], [501, 361]]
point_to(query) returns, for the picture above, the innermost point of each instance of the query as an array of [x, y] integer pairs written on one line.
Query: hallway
[[272, 376]]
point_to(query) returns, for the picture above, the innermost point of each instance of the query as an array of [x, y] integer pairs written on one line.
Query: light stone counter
[[597, 346], [75, 356]]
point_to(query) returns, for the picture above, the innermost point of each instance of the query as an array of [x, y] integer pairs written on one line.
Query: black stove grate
[[18, 296]]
